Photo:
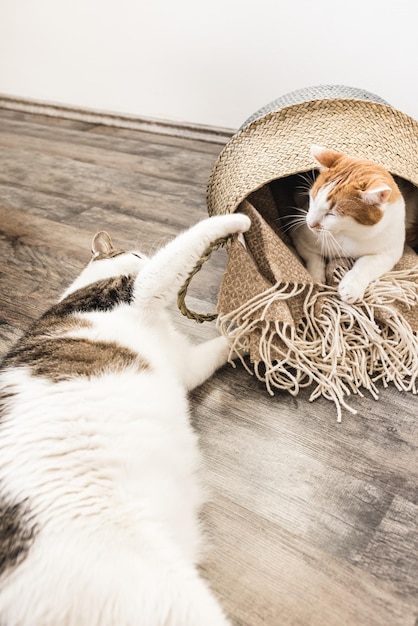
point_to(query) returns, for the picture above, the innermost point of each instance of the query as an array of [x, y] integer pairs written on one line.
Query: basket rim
[[315, 92]]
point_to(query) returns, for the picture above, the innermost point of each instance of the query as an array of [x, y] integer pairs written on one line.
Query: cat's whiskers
[[293, 223], [323, 243], [330, 247], [308, 179]]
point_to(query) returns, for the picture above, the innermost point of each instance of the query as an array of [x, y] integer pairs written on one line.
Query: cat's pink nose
[[314, 224]]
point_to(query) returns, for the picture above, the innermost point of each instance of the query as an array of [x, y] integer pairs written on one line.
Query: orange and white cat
[[355, 210]]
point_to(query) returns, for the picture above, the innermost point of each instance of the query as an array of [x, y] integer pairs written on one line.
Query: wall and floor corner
[[210, 64]]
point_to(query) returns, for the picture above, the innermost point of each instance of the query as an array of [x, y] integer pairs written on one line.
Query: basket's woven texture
[[297, 333], [278, 145]]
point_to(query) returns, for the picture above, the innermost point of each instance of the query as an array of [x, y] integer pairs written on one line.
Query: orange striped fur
[[354, 181]]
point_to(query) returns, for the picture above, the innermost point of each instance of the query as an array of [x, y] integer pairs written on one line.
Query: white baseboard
[[118, 120]]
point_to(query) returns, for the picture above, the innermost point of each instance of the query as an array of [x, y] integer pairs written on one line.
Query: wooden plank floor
[[310, 522]]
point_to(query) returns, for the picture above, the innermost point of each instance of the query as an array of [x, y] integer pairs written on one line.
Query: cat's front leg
[[364, 271], [315, 265], [168, 270], [203, 360], [306, 244]]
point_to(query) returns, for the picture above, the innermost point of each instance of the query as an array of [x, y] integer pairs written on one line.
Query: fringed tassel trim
[[342, 350]]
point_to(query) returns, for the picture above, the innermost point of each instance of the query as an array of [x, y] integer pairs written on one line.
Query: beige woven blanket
[[301, 335]]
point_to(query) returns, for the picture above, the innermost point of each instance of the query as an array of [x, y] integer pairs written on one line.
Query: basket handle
[[181, 296]]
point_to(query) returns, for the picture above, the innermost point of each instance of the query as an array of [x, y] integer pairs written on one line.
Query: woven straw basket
[[275, 141], [298, 333]]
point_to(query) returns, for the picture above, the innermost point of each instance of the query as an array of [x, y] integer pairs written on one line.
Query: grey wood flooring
[[310, 522]]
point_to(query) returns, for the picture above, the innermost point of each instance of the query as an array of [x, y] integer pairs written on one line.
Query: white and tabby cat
[[356, 210], [99, 485]]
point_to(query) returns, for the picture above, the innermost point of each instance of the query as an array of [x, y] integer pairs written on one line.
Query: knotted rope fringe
[[342, 349]]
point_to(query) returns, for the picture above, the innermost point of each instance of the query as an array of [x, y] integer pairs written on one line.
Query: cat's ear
[[325, 157], [376, 195], [101, 244]]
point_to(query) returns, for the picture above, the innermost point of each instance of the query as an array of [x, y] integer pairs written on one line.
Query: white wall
[[210, 62]]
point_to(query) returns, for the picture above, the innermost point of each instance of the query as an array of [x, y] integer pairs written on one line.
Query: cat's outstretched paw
[[219, 226], [236, 223], [350, 289]]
